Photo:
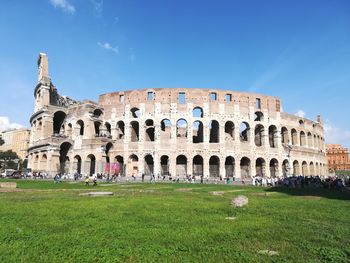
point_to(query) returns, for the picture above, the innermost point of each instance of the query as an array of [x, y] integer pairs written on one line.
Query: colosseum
[[171, 132]]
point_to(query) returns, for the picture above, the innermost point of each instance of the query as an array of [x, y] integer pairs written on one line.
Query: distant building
[[338, 157], [17, 141]]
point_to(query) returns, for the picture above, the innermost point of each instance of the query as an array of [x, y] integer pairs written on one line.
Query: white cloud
[[108, 46], [300, 113], [5, 124], [336, 135], [64, 5], [98, 6]]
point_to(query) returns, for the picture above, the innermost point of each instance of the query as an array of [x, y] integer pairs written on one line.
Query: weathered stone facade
[[338, 157], [175, 131]]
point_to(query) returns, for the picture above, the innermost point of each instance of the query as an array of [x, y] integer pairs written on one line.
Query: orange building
[[338, 157]]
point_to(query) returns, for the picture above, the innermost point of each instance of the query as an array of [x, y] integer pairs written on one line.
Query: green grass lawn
[[172, 223]]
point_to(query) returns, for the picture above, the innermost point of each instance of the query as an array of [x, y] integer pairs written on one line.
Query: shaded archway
[[229, 131], [97, 126], [165, 129], [80, 126], [135, 112], [258, 116], [149, 132], [296, 168], [64, 159], [164, 165], [285, 168], [91, 159], [312, 169], [181, 129], [197, 169], [294, 134], [133, 165], [304, 170], [260, 166], [58, 119], [214, 135], [134, 131], [181, 165], [273, 136], [309, 140], [97, 113], [259, 135], [197, 112], [120, 130], [244, 132], [77, 164], [273, 168], [118, 167], [214, 166], [229, 166], [284, 135], [245, 168], [302, 139], [197, 132], [149, 165]]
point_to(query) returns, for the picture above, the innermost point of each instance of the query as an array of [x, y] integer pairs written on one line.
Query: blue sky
[[297, 50]]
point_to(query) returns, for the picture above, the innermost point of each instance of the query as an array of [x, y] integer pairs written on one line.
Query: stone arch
[[245, 165], [135, 112], [214, 166], [296, 168], [197, 169], [274, 168], [64, 158], [197, 112], [229, 166], [108, 129], [197, 132], [97, 113], [244, 132], [259, 135], [80, 126], [91, 160], [149, 165], [285, 168], [43, 162], [181, 128], [258, 116], [133, 165], [302, 138], [312, 169], [134, 131], [181, 165], [229, 131], [97, 125], [77, 164], [214, 134], [294, 135], [149, 131], [69, 130], [164, 165], [165, 129], [304, 169], [309, 140], [273, 136], [120, 130], [260, 167], [284, 135], [119, 166], [58, 119]]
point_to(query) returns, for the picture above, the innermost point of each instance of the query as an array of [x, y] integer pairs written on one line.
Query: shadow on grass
[[343, 194]]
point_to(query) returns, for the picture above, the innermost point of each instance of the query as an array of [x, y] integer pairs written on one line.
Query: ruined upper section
[[43, 69]]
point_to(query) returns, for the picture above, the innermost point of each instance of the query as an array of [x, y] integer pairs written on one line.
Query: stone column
[[206, 166]]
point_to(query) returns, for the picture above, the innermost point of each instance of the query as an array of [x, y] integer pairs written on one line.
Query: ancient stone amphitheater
[[171, 131]]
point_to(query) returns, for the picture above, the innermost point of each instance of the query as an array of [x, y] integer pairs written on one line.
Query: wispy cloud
[[64, 5], [5, 124], [336, 135], [300, 113], [98, 6], [108, 46]]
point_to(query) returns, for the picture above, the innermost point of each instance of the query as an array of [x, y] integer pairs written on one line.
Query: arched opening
[[244, 132], [197, 132], [274, 168], [135, 112], [296, 168], [302, 138], [120, 130], [134, 129], [80, 125], [309, 139], [285, 168], [97, 126], [197, 112], [214, 132], [245, 168], [97, 113], [108, 129], [229, 131], [165, 127], [77, 164], [229, 166], [260, 166], [181, 129], [197, 169], [181, 165], [64, 159], [284, 134], [69, 130], [259, 116], [91, 159], [273, 136], [43, 162], [164, 165], [149, 165], [58, 119], [317, 170], [304, 168], [312, 169], [118, 166], [214, 166], [294, 137], [149, 132], [259, 135], [133, 164]]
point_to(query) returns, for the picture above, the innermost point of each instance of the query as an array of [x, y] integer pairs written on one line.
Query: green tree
[[1, 141], [9, 160]]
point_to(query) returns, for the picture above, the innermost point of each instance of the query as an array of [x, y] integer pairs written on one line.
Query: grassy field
[[43, 222]]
